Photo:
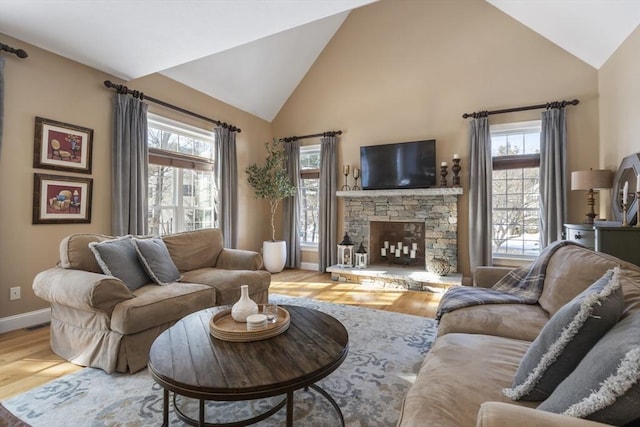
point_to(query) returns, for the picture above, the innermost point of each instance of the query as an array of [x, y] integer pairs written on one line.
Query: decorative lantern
[[361, 257], [345, 252]]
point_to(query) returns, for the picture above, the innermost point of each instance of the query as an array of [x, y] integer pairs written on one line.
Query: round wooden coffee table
[[188, 361]]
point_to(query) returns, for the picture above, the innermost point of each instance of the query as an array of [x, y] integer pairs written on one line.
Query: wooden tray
[[223, 327]]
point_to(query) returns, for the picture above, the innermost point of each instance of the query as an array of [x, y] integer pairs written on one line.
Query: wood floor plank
[[26, 359]]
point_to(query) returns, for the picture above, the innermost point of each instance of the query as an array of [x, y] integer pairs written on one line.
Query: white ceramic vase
[[245, 306], [274, 255]]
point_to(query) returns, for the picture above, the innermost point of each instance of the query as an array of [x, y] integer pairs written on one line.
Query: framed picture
[[62, 146], [61, 199]]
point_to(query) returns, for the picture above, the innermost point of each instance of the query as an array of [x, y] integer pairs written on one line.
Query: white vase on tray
[[245, 306]]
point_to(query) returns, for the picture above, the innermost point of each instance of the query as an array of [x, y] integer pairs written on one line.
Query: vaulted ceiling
[[252, 54]]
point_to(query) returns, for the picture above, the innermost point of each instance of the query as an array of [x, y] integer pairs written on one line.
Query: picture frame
[[61, 199], [62, 146]]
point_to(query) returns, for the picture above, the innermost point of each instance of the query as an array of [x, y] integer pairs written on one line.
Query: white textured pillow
[[118, 258]]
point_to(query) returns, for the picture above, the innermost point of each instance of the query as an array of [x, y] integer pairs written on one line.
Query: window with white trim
[[309, 195], [515, 148], [182, 188]]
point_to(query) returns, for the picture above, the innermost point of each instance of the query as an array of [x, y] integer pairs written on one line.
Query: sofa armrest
[[499, 414], [486, 277], [80, 289], [238, 259]]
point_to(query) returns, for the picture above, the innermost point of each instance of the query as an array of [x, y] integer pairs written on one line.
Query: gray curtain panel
[[2, 61], [227, 177], [291, 206], [480, 200], [553, 175], [327, 246], [130, 166]]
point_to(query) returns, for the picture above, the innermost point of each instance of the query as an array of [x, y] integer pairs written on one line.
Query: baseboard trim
[[24, 320], [309, 266]]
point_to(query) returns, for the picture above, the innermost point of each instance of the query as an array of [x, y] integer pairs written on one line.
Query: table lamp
[[591, 180]]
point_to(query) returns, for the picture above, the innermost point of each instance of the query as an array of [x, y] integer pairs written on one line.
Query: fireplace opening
[[397, 243]]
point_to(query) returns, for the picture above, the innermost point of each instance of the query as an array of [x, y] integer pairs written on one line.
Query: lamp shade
[[591, 179]]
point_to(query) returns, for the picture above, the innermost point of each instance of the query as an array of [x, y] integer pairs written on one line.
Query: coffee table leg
[[201, 413], [165, 408], [290, 409]]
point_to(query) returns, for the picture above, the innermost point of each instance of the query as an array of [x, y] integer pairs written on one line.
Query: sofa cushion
[[605, 386], [194, 249], [567, 337], [495, 319], [157, 305], [118, 258], [460, 372], [75, 253], [571, 270], [227, 283], [156, 261]]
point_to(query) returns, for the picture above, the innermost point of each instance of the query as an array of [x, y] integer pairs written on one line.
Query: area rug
[[386, 350]]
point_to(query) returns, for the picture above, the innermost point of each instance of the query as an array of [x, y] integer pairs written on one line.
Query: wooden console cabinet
[[621, 242]]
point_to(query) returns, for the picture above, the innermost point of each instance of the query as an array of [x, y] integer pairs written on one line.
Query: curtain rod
[[548, 105], [136, 94], [20, 53], [315, 135]]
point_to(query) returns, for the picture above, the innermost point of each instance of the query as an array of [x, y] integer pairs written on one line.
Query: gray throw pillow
[[118, 258], [605, 387], [567, 337], [154, 257]]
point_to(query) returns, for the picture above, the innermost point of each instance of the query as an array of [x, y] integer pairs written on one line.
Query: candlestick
[[443, 174], [625, 192], [456, 168], [405, 250], [356, 175], [393, 249], [624, 213], [386, 244], [413, 254], [414, 246], [399, 245], [456, 156], [383, 251], [638, 203], [397, 253], [345, 172]]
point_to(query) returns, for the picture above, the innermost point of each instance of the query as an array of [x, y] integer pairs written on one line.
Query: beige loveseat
[[97, 321], [479, 348]]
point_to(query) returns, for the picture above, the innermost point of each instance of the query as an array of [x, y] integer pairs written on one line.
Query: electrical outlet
[[14, 293]]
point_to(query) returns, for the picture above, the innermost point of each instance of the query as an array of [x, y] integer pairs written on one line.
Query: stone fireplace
[[426, 219]]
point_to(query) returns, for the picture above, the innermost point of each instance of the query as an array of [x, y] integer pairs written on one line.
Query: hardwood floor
[[26, 360]]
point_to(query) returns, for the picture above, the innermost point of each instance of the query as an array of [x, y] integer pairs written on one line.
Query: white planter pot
[[274, 255]]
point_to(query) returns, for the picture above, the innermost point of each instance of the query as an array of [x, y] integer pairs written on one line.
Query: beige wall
[[406, 70], [619, 88], [53, 87]]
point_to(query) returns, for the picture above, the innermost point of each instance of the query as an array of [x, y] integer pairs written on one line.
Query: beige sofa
[[479, 348], [97, 321]]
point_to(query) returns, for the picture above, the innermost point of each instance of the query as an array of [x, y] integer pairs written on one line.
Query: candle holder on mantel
[[456, 168], [356, 175], [443, 174], [345, 172]]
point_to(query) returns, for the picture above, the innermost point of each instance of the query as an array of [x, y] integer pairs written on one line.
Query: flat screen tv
[[400, 165]]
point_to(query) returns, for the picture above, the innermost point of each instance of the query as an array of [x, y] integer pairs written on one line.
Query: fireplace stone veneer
[[436, 207]]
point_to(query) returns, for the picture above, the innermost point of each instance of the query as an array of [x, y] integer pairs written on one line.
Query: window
[[182, 189], [309, 195], [515, 149]]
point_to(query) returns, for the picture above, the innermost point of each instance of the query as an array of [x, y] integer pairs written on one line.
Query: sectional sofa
[[111, 297], [485, 353]]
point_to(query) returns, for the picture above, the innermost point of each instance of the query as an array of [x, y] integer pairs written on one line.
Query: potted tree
[[271, 182]]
